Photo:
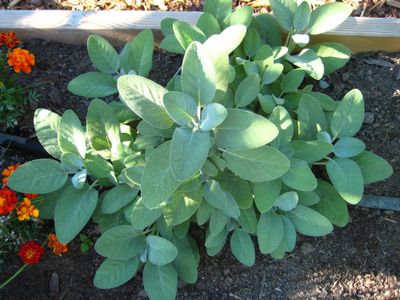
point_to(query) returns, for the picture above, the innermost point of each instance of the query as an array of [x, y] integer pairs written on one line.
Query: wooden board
[[73, 27]]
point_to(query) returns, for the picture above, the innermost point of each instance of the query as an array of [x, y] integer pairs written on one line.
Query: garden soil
[[360, 261]]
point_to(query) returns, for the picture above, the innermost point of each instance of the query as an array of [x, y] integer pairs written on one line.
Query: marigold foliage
[[235, 142], [31, 252]]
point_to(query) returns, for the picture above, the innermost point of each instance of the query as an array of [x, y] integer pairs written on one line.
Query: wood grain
[[73, 27]]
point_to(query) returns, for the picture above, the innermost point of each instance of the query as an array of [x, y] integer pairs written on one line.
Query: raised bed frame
[[73, 27]]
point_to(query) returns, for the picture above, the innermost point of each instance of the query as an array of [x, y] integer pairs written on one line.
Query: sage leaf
[[198, 74], [242, 15], [272, 73], [348, 147], [257, 165], [141, 216], [331, 205], [145, 98], [189, 150], [243, 129], [242, 247], [289, 233], [300, 176], [102, 54], [181, 107], [269, 29], [248, 220], [239, 188], [308, 61], [158, 182], [114, 273], [282, 120], [266, 194], [302, 16], [308, 198], [73, 211], [160, 250], [208, 24], [137, 54], [328, 16], [220, 9], [93, 85], [349, 115], [212, 116], [102, 127], [79, 179], [97, 166], [71, 136], [269, 232], [187, 33], [373, 167], [182, 207], [46, 127], [284, 11], [117, 198], [287, 201], [311, 151], [252, 42], [247, 90], [160, 282], [333, 55], [292, 80], [347, 179], [39, 176], [185, 262], [311, 118], [309, 222], [121, 242]]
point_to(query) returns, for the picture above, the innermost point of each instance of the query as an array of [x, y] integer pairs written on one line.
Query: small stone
[[143, 294], [226, 271], [323, 84], [306, 248], [345, 76], [369, 118], [54, 284]]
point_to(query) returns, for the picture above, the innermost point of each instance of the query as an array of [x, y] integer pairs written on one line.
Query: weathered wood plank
[[359, 34]]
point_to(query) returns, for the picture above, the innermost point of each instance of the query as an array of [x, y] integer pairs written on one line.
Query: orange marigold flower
[[8, 199], [58, 248], [26, 210], [7, 172], [31, 252], [9, 39], [21, 59]]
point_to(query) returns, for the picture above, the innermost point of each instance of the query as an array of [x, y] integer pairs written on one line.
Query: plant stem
[[36, 85], [12, 277], [289, 35]]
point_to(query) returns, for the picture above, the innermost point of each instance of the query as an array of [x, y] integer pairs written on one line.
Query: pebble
[[369, 118], [345, 76], [54, 284], [306, 248]]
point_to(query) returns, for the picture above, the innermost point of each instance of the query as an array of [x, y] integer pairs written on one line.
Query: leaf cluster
[[235, 143]]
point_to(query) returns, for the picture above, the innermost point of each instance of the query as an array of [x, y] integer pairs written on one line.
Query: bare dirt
[[361, 261]]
